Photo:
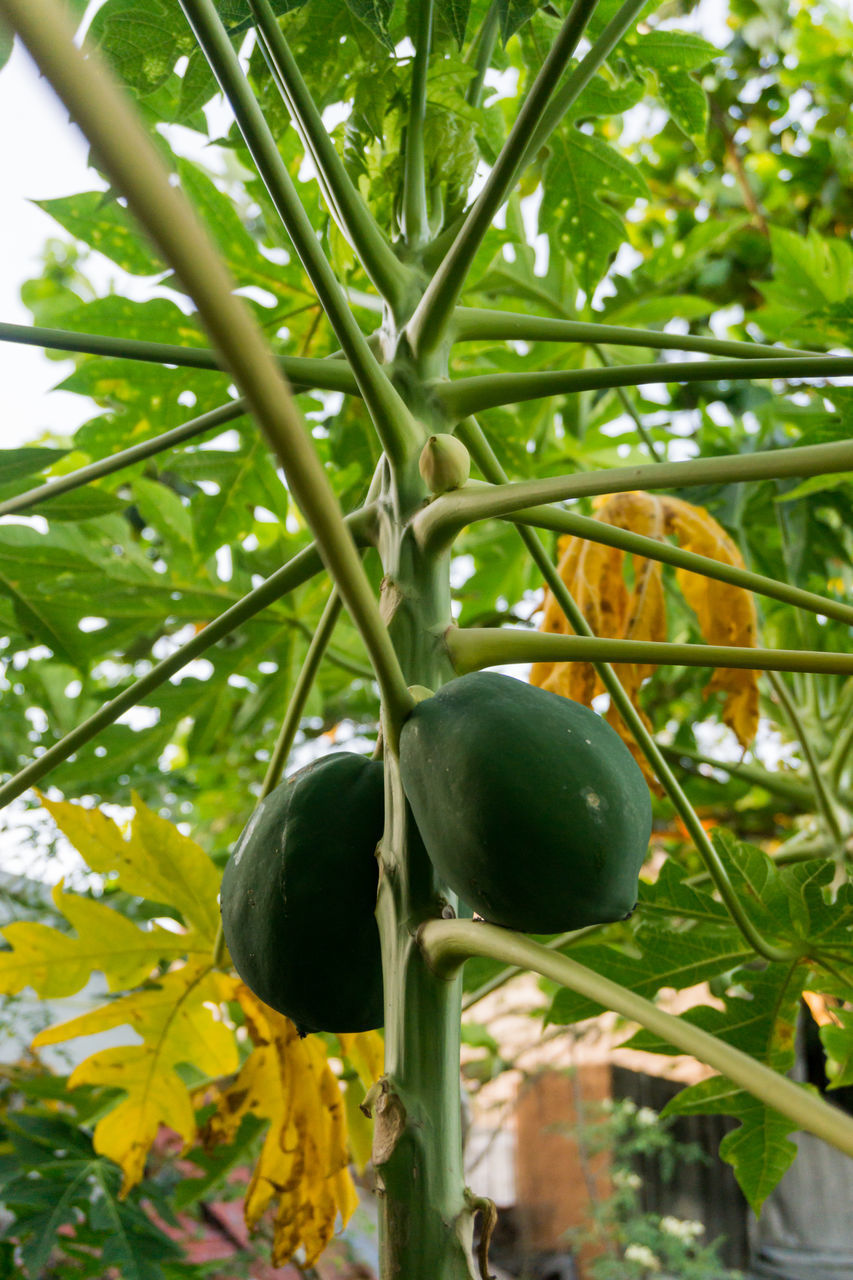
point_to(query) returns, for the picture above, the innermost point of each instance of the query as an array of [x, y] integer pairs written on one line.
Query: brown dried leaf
[[726, 614], [595, 576]]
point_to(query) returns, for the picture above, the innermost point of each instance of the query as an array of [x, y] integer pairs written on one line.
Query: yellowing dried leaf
[[365, 1051], [55, 964], [302, 1168], [176, 1023], [156, 862], [595, 576], [726, 614]]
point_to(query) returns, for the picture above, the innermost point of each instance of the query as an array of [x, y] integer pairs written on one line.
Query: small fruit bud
[[444, 463], [420, 692]]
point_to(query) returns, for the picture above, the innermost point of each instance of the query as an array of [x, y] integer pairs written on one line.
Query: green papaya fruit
[[299, 893], [530, 806]]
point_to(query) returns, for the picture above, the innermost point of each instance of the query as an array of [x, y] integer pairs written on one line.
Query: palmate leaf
[[589, 184], [55, 964], [63, 1201], [672, 56], [106, 226], [762, 1004], [157, 862], [177, 1025]]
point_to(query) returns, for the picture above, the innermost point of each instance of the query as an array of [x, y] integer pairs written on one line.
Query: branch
[[484, 45], [342, 196], [448, 943], [822, 797], [125, 458], [298, 570], [427, 327], [397, 430], [491, 390], [777, 783], [580, 78], [472, 648], [627, 404], [300, 694], [445, 516], [475, 324], [562, 521], [415, 213], [303, 373], [134, 166]]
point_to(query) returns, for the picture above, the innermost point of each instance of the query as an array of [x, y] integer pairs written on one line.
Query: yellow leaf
[[302, 1168], [55, 965], [157, 862], [726, 614], [359, 1125], [155, 1096], [365, 1051], [595, 576], [176, 1023]]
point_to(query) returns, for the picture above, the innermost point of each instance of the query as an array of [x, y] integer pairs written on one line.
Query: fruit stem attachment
[[447, 944]]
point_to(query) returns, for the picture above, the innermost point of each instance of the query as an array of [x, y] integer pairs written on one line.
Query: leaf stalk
[[448, 943]]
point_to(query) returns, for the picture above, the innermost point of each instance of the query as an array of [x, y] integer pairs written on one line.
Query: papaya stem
[[216, 418], [303, 372], [491, 390], [474, 324], [473, 648], [443, 519], [301, 691], [449, 943], [415, 214]]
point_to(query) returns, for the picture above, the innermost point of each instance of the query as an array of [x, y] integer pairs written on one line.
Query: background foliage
[[700, 189]]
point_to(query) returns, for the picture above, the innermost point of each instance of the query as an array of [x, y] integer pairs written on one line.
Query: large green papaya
[[531, 808], [299, 893]]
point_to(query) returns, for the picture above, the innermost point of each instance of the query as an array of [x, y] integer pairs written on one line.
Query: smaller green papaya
[[444, 463], [299, 893], [529, 805]]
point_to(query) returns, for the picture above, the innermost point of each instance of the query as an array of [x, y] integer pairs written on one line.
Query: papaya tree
[[397, 306]]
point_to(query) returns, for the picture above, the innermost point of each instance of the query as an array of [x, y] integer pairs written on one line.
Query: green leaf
[[660, 958], [7, 43], [100, 221], [15, 464], [589, 228], [838, 1043], [514, 14], [86, 503], [671, 56], [142, 39], [374, 14], [454, 14], [759, 1150]]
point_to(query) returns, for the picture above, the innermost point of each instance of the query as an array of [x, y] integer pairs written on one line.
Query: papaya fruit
[[530, 806], [299, 892]]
